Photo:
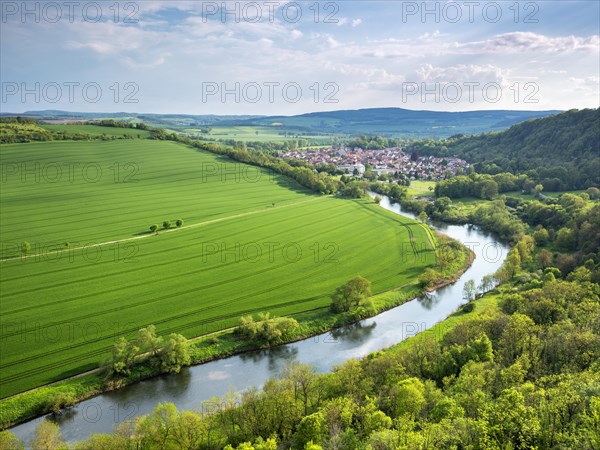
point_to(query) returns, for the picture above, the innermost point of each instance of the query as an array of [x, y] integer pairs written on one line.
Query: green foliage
[[8, 441], [312, 428], [469, 290], [266, 329], [174, 354], [25, 248], [469, 307], [350, 294], [429, 278], [61, 400], [48, 436], [541, 236], [170, 354]]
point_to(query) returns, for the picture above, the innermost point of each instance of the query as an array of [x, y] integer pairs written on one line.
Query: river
[[197, 384]]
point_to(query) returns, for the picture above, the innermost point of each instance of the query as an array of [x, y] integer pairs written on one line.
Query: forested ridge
[[560, 151]]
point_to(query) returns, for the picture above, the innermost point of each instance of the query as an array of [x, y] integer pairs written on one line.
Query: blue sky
[[283, 58]]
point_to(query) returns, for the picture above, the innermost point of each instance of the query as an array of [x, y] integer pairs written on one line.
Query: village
[[385, 161]]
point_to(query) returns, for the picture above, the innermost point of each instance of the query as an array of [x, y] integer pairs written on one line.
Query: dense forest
[[561, 151]]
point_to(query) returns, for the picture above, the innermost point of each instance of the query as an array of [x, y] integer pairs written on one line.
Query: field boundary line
[[170, 230]]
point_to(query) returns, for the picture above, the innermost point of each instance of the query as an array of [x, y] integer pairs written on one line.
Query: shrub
[[468, 307]]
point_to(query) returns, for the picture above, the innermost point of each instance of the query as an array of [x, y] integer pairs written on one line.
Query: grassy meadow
[[250, 242]]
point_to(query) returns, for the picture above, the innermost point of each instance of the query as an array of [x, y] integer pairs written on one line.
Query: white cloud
[[532, 42], [356, 22]]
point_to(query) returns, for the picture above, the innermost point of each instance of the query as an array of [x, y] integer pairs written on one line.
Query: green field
[[96, 130], [236, 254], [258, 134], [421, 188]]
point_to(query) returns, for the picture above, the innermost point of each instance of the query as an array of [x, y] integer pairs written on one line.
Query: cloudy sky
[[278, 57]]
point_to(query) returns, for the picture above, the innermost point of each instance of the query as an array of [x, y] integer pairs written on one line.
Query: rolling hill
[[561, 151], [390, 122]]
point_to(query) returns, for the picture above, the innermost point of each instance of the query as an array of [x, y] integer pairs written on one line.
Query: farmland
[[94, 130], [250, 242]]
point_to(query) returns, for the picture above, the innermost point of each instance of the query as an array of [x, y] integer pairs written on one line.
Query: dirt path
[[171, 230]]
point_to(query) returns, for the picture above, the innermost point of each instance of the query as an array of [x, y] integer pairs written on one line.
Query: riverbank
[[214, 346]]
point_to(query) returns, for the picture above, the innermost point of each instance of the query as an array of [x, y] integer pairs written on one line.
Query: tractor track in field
[[171, 230]]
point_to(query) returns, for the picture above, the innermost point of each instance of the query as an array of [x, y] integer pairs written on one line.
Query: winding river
[[197, 384]]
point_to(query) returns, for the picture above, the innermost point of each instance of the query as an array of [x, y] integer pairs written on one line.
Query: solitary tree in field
[[179, 223], [25, 247], [154, 229], [377, 199], [423, 217], [166, 224]]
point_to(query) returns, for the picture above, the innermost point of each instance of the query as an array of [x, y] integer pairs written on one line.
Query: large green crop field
[[96, 130], [259, 134], [251, 242]]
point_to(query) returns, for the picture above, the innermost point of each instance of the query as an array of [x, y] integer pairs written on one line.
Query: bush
[[429, 278], [266, 329], [60, 400], [468, 307], [350, 295]]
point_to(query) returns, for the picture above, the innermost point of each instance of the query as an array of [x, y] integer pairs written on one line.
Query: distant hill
[[398, 122], [387, 122], [562, 151], [162, 120]]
